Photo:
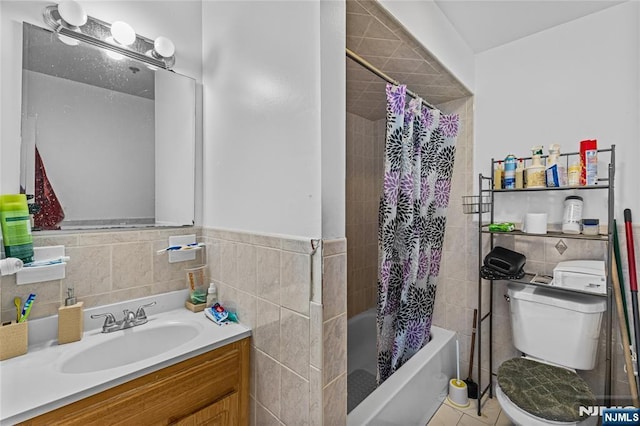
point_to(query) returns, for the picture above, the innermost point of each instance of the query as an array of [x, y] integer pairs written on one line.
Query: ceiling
[[383, 42], [483, 24], [487, 24]]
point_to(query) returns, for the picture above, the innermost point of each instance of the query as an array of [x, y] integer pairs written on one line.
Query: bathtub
[[415, 391]]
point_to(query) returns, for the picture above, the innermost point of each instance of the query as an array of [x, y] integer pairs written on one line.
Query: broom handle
[[473, 340], [626, 346], [631, 256], [633, 280]]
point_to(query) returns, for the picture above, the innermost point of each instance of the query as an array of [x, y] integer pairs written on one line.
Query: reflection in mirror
[[107, 141]]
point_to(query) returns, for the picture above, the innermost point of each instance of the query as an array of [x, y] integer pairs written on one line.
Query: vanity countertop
[[33, 384]]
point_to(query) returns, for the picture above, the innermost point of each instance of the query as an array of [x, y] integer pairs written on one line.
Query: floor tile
[[467, 420], [490, 410], [503, 420], [445, 416]]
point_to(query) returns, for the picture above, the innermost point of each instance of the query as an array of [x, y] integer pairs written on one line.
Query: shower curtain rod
[[360, 60]]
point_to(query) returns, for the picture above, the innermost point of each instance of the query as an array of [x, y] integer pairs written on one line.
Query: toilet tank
[[555, 326]]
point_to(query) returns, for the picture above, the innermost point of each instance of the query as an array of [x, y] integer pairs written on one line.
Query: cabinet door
[[221, 413]]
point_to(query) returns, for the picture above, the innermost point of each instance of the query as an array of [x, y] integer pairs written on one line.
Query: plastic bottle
[[520, 174], [212, 295], [498, 173], [572, 216], [510, 172], [573, 178], [535, 172], [16, 227], [556, 173]]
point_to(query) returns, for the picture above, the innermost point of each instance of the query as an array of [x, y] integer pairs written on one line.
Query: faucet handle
[[109, 320], [140, 313]]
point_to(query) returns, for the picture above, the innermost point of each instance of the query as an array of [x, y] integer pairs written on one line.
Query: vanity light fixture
[[68, 19], [123, 33], [72, 14], [163, 48]]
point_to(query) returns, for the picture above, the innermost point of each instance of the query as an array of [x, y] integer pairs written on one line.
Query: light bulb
[[123, 33], [72, 13], [164, 47]]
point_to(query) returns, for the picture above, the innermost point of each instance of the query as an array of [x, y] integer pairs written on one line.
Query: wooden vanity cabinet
[[209, 389]]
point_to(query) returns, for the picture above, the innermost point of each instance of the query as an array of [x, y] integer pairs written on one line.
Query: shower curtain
[[419, 155]]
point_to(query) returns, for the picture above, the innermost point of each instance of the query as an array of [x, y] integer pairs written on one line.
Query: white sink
[[128, 346]]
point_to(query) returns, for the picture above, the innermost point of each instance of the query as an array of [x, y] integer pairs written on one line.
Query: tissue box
[[14, 338]]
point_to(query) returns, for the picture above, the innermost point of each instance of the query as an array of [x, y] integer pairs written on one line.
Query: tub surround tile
[[334, 278], [333, 247], [335, 401], [334, 348]]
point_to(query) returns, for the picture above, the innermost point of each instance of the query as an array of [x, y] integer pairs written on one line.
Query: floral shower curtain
[[419, 154]]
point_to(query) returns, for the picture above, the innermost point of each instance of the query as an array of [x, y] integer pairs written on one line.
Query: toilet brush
[[458, 388], [472, 387]]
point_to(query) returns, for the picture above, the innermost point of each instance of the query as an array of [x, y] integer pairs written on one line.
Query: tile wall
[[105, 267], [365, 169], [291, 292]]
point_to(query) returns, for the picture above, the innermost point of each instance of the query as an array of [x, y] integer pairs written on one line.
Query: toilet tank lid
[[571, 301]]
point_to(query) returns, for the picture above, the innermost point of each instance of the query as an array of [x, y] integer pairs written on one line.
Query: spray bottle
[[556, 173], [535, 172]]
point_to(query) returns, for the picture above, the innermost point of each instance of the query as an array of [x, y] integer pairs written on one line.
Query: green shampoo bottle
[[16, 227]]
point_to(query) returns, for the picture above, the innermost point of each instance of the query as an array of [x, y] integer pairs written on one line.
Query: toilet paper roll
[[10, 265], [535, 223]]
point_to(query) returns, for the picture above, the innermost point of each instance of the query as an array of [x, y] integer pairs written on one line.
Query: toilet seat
[[533, 392], [521, 418]]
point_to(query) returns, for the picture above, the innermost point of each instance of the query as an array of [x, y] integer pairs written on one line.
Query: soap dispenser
[[70, 319]]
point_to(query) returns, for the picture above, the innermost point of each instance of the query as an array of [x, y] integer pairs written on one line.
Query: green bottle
[[16, 227]]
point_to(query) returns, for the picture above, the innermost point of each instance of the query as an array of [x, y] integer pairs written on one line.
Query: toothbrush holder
[[14, 338]]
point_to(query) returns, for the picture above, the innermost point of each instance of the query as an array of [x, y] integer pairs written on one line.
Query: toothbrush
[[18, 302], [54, 261], [26, 309], [191, 246]]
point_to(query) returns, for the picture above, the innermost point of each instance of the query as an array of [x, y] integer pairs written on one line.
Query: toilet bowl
[[520, 417], [559, 332]]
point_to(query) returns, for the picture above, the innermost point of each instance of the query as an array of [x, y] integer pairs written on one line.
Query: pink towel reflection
[[50, 214]]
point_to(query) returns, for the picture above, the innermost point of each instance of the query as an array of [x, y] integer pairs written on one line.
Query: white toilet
[[558, 332]]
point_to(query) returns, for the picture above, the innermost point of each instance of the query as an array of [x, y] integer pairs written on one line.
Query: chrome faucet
[[129, 320]]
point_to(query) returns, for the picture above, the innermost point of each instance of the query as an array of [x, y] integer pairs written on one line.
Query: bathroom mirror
[[107, 141]]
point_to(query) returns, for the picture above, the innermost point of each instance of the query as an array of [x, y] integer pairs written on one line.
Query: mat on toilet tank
[[545, 391]]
